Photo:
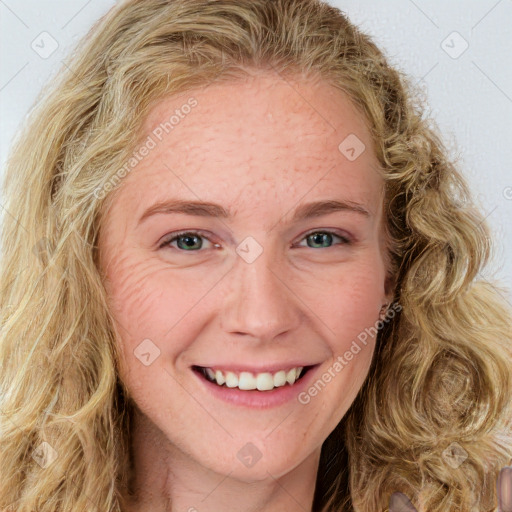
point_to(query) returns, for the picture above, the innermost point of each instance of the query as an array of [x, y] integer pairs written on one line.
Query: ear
[[389, 289]]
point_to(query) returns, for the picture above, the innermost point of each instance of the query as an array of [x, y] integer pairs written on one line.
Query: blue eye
[[322, 237], [188, 241], [191, 241]]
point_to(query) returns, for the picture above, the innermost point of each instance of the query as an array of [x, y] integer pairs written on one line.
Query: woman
[[240, 273]]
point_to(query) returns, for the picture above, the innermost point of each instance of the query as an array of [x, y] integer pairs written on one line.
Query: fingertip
[[400, 503], [505, 489]]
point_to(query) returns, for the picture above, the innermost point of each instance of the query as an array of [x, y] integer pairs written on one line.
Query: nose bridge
[[259, 303]]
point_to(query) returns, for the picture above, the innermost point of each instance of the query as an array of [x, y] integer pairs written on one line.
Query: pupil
[[318, 238], [189, 240]]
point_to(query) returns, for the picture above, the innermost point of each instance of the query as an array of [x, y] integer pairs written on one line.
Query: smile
[[247, 381]]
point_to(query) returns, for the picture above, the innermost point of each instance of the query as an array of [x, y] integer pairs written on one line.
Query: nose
[[261, 302]]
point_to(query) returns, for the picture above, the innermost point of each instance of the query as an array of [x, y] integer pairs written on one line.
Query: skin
[[259, 148]]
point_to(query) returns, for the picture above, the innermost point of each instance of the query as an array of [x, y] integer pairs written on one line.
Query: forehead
[[254, 141]]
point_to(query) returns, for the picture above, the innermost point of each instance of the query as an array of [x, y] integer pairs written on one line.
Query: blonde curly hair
[[440, 378]]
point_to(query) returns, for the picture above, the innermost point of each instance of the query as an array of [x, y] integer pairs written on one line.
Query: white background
[[469, 93]]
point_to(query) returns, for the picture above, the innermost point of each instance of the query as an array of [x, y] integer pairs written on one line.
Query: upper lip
[[268, 368]]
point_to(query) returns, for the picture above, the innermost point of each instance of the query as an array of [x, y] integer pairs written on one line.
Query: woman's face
[[266, 287]]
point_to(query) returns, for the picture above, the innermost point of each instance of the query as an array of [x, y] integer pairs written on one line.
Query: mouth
[[248, 381]]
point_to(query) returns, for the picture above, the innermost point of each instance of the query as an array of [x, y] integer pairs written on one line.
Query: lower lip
[[259, 399]]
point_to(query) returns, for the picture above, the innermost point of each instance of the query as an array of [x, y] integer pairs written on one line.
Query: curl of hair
[[440, 378]]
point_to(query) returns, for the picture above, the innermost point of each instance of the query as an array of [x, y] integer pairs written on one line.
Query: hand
[[400, 503]]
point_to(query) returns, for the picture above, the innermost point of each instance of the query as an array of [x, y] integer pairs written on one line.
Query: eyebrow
[[208, 209]]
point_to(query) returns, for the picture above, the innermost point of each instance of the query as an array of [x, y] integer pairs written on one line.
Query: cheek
[[151, 303], [141, 305], [354, 308], [348, 300], [350, 313], [133, 299]]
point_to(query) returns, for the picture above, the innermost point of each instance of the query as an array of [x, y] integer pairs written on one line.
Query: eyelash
[[175, 236]]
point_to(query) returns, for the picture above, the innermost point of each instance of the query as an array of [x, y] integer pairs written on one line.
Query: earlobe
[[383, 310]]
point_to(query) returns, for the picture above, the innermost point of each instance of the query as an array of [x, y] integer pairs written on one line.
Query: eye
[[188, 241], [320, 238], [191, 241]]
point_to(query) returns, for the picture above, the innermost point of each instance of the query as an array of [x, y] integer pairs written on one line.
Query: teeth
[[231, 380], [247, 381], [219, 377], [280, 378], [291, 375], [264, 382]]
